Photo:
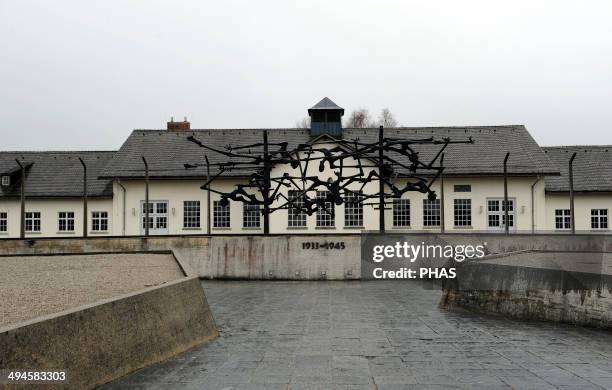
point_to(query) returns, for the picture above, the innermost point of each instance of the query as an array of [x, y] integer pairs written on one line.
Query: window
[[99, 221], [32, 221], [431, 212], [325, 211], [353, 210], [6, 181], [563, 219], [463, 188], [401, 212], [191, 214], [496, 213], [221, 215], [151, 209], [158, 217], [599, 218], [3, 221], [66, 221], [250, 215], [463, 212], [295, 216], [161, 207]]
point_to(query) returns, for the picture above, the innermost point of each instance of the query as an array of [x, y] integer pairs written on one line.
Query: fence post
[[23, 177], [146, 205], [505, 205], [442, 226], [571, 192], [266, 185], [207, 196], [381, 184], [85, 216]]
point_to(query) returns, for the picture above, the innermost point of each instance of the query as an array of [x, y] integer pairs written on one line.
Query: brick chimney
[[178, 126]]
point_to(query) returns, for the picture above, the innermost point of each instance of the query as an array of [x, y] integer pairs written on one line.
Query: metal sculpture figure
[[353, 163]]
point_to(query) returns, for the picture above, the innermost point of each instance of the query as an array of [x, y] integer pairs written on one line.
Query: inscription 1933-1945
[[324, 245]]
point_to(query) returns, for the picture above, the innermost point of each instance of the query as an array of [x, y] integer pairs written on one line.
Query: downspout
[[533, 204], [124, 196]]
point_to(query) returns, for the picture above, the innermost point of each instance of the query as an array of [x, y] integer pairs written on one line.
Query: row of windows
[[563, 221], [65, 221], [324, 218], [431, 212]]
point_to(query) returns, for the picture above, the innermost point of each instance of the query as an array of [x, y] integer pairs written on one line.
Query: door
[[158, 217], [496, 214]]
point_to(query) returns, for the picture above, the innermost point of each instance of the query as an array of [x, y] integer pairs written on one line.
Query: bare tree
[[386, 118], [359, 119], [303, 123]]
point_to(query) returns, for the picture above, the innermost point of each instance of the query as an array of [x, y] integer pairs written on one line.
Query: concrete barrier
[[295, 256], [103, 341], [535, 292], [298, 257]]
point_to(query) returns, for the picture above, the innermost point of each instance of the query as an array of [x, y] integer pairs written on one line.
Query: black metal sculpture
[[354, 165]]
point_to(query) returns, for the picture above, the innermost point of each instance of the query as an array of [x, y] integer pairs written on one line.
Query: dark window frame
[[401, 213], [99, 221], [222, 217], [251, 216], [462, 188], [192, 214], [599, 219], [462, 212], [432, 213], [65, 221]]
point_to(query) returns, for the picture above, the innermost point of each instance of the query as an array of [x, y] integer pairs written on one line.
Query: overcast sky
[[82, 74]]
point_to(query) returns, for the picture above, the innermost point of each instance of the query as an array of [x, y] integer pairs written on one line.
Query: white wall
[[177, 191], [49, 209], [583, 203]]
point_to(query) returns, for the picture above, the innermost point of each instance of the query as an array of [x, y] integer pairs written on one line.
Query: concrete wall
[[280, 257], [289, 256], [101, 342], [531, 293]]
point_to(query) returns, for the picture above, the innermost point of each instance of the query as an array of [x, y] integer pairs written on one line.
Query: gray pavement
[[381, 335]]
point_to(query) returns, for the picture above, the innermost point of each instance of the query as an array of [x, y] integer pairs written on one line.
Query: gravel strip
[[31, 286]]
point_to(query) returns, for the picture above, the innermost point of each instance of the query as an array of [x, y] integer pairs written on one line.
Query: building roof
[[592, 168], [326, 104], [168, 151], [56, 174]]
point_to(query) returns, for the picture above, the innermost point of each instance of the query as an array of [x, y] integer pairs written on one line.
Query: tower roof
[[326, 104]]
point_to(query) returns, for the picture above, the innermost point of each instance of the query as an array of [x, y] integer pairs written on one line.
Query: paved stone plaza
[[373, 335]]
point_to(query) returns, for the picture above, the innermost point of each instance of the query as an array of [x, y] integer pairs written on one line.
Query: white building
[[471, 202]]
